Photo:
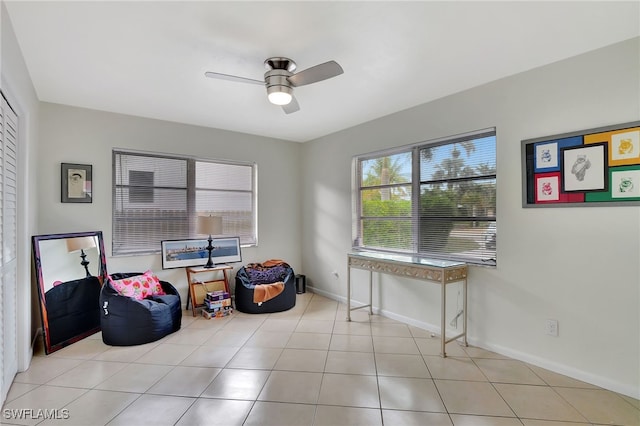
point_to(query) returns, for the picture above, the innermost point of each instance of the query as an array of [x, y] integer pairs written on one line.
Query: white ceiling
[[148, 58]]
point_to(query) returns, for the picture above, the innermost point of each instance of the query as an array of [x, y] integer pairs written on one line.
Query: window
[[434, 199], [158, 197]]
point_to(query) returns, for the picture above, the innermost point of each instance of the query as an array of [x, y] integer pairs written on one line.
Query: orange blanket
[[264, 292]]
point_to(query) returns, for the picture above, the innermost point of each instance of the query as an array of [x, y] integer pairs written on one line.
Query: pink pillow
[[138, 286], [156, 287]]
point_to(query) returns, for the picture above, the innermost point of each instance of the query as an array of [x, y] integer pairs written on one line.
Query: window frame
[[416, 185], [191, 191]]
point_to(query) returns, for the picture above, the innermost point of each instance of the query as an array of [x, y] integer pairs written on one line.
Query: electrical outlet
[[551, 327]]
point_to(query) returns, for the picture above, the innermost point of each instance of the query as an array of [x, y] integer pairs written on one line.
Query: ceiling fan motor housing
[[280, 63], [276, 80], [279, 89]]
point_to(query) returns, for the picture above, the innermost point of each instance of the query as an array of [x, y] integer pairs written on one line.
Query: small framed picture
[[625, 182], [583, 168], [546, 156], [76, 183], [548, 187]]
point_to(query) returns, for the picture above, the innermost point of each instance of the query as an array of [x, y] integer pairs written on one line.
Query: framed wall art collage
[[592, 167]]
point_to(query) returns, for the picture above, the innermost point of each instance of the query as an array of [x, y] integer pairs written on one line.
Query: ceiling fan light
[[279, 95]]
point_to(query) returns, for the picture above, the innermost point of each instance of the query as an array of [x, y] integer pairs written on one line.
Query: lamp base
[[210, 249], [85, 262]]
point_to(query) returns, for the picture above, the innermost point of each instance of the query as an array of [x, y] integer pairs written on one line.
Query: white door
[[8, 247]]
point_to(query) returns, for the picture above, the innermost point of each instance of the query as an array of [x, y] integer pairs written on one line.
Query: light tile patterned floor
[[306, 366]]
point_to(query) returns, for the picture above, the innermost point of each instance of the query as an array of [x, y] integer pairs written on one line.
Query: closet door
[[8, 246]]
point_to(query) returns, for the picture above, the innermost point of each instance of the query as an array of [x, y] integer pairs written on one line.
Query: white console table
[[436, 271]]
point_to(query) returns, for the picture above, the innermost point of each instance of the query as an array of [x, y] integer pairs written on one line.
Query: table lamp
[[209, 225], [80, 244]]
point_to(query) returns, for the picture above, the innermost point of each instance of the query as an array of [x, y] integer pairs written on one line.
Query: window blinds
[[158, 197], [435, 199], [8, 245]]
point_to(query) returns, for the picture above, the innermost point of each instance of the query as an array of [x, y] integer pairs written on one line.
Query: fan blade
[[292, 106], [317, 73], [228, 77]]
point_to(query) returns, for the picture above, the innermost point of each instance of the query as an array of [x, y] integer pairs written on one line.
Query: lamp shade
[[209, 225], [80, 243]]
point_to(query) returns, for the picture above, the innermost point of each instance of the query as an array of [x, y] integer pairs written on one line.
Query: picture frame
[[184, 253], [625, 182], [587, 168], [193, 252], [226, 250], [583, 168], [76, 183]]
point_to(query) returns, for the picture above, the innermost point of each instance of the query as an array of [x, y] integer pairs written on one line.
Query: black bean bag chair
[[126, 321], [73, 309], [249, 276]]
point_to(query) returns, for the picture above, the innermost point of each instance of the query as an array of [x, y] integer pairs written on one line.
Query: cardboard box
[[212, 304], [217, 295], [218, 313]]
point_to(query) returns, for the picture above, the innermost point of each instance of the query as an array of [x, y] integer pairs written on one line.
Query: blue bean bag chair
[[249, 277], [127, 321]]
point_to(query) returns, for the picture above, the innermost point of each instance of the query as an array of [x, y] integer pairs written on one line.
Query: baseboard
[[326, 294], [410, 321], [563, 369]]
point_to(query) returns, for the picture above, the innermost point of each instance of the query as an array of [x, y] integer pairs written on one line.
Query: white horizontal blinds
[[4, 386], [8, 246], [9, 184], [435, 199], [227, 190], [2, 139], [385, 202], [150, 202], [458, 198], [158, 197]]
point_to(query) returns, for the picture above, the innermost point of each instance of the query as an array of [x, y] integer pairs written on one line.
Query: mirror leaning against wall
[[70, 269]]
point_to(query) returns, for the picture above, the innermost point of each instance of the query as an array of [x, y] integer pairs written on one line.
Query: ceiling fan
[[280, 79]]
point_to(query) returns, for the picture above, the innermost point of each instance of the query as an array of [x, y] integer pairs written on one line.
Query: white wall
[[577, 265], [17, 87], [76, 135]]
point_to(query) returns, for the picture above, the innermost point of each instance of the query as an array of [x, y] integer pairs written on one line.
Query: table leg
[[464, 307], [348, 293], [226, 282], [443, 327], [193, 298], [370, 292]]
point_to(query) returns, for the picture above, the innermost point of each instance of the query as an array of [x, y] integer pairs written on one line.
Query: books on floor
[[217, 304]]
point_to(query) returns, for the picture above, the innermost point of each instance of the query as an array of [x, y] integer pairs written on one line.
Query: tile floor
[[306, 366]]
